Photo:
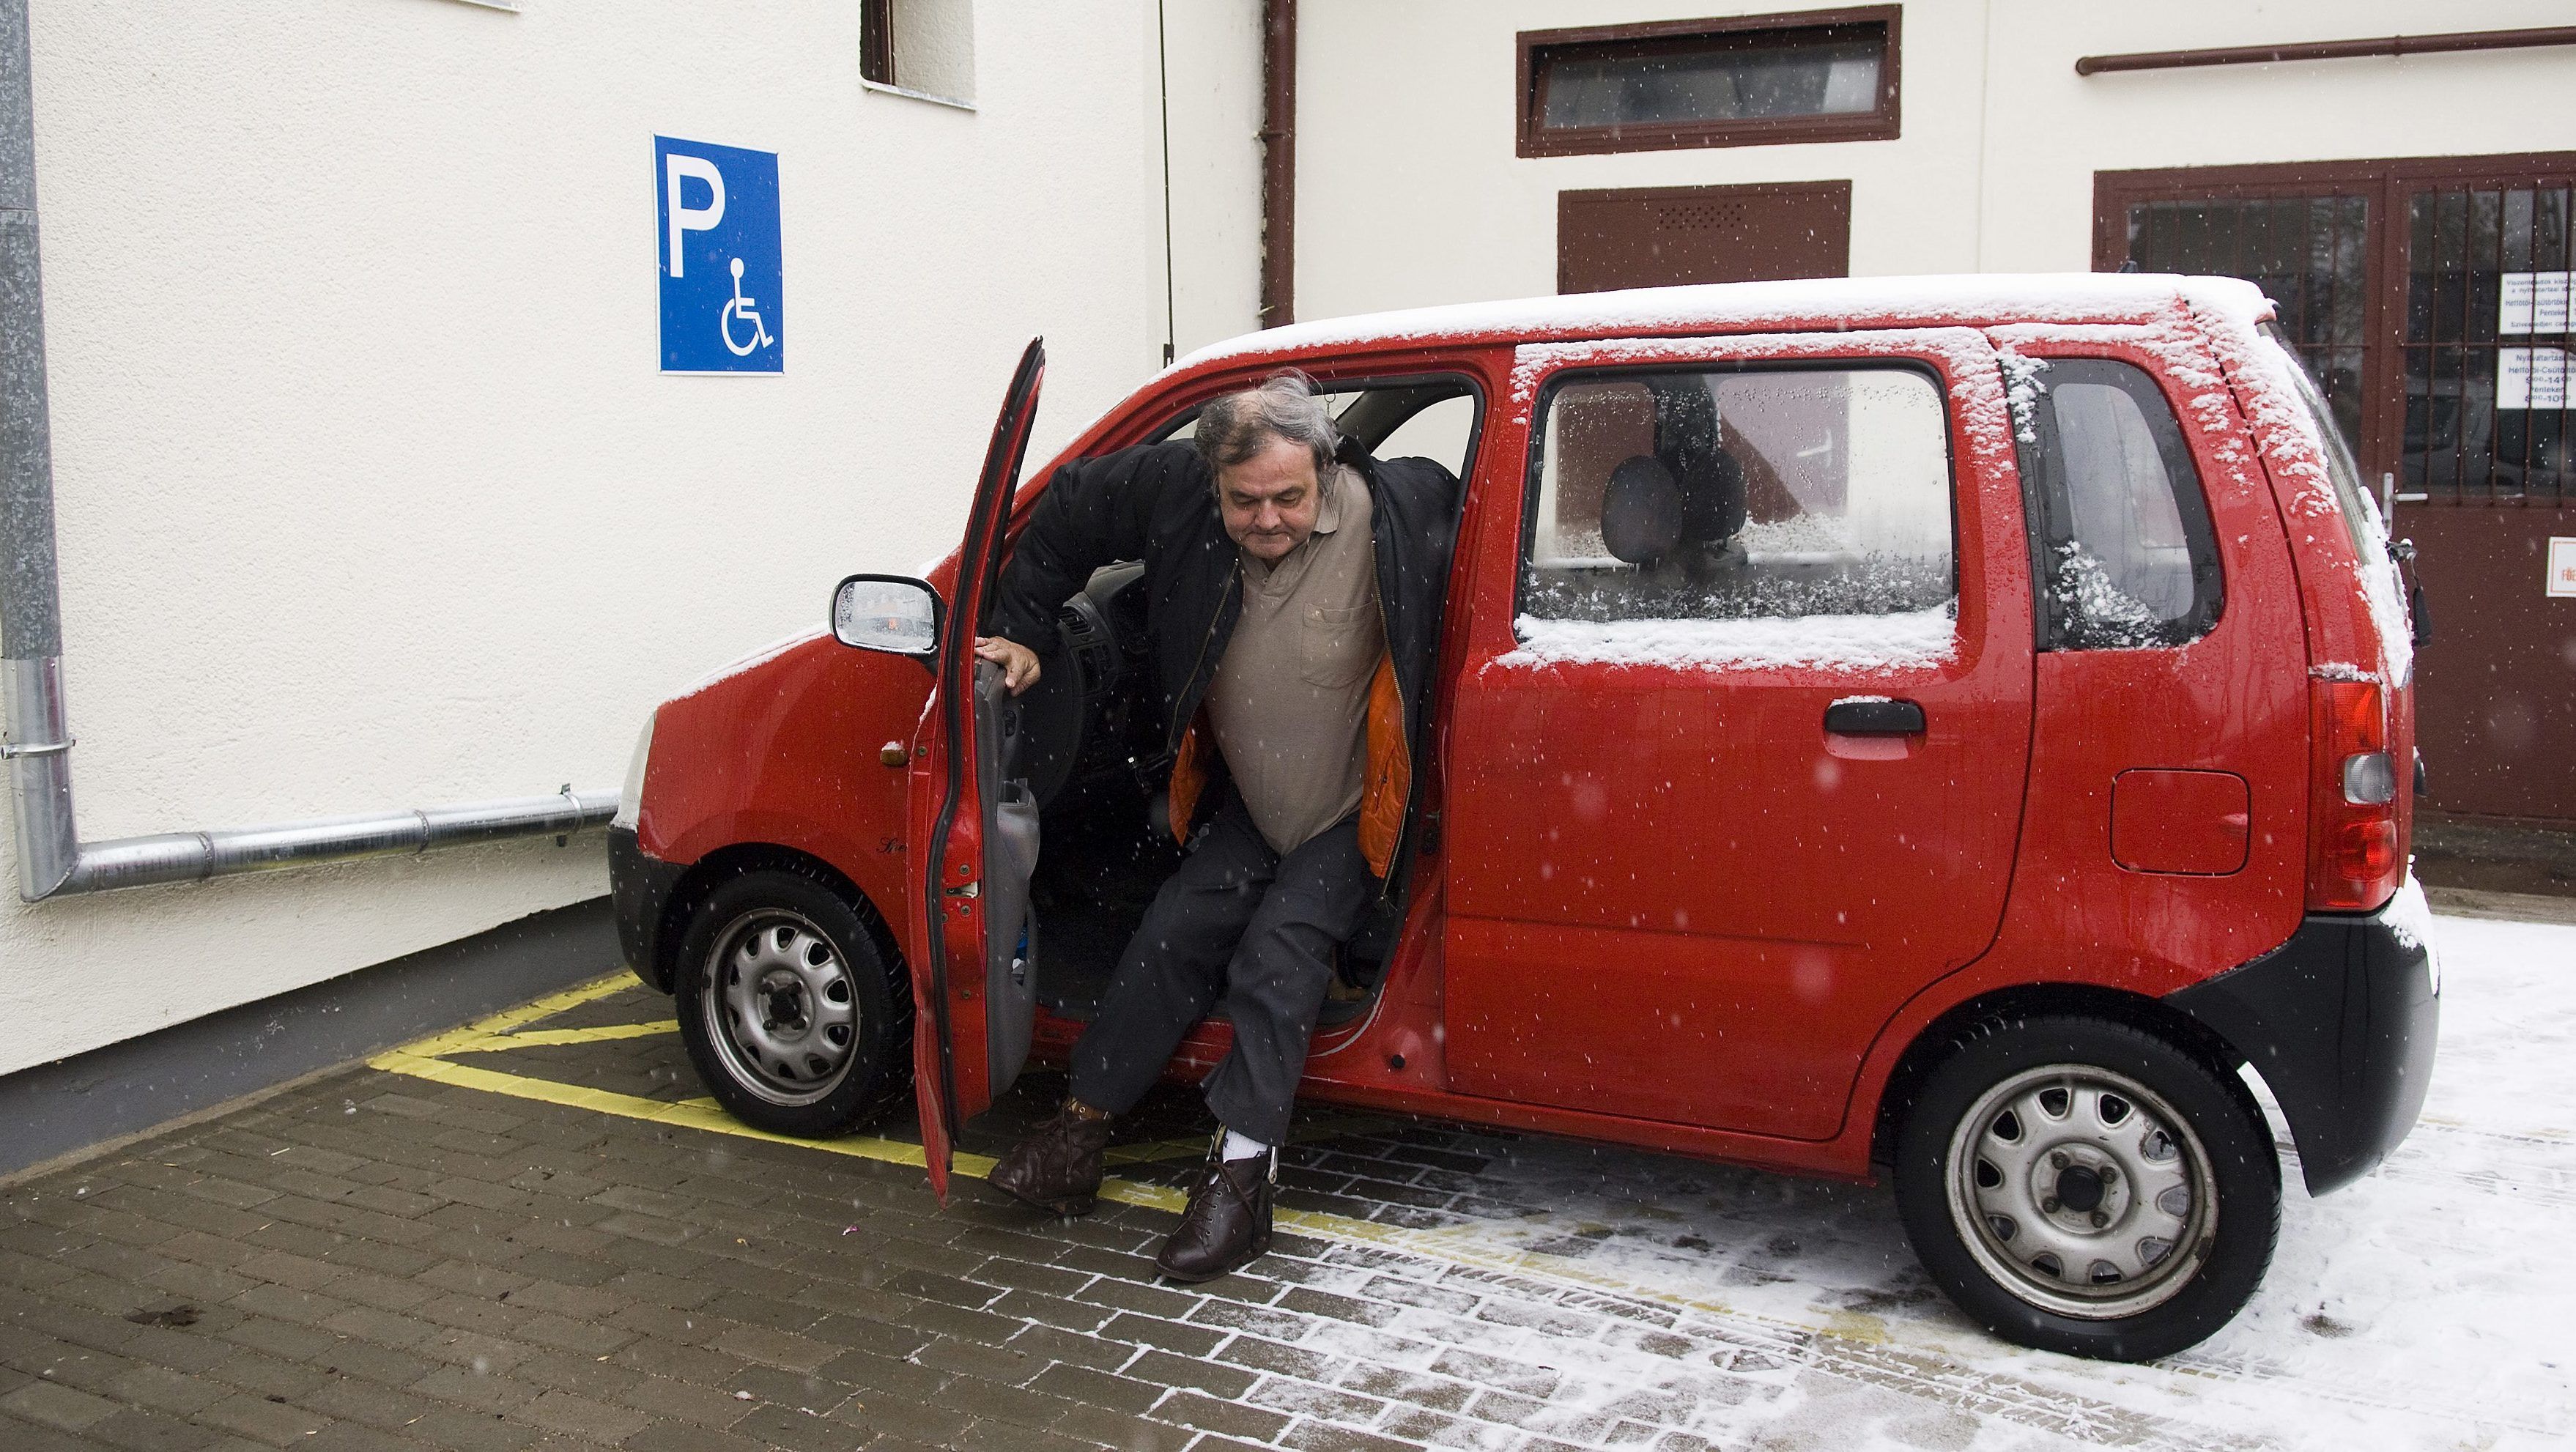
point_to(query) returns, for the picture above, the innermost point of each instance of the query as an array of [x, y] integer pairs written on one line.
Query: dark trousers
[[1238, 923]]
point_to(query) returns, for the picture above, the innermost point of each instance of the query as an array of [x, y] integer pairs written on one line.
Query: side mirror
[[891, 613]]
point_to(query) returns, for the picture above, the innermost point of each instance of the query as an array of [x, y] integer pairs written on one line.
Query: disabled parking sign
[[717, 209]]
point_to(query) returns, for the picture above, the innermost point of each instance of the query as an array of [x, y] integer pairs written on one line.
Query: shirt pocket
[[1336, 649]]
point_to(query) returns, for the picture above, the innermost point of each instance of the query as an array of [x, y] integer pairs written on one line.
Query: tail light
[[2353, 860]]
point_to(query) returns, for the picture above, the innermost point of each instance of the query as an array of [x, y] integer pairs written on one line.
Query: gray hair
[[1235, 426]]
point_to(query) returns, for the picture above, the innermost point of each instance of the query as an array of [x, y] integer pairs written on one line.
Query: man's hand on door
[[1019, 663]]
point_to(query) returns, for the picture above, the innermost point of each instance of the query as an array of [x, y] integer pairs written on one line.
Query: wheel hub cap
[[779, 1006], [2075, 1186], [786, 1006], [2079, 1188]]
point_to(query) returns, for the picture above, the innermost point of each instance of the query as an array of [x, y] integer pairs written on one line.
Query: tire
[[2038, 1142], [796, 1016]]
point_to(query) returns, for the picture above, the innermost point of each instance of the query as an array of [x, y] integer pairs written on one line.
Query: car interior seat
[[1641, 511], [1690, 442], [1682, 505]]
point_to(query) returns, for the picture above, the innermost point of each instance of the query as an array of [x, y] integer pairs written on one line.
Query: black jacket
[[1157, 503]]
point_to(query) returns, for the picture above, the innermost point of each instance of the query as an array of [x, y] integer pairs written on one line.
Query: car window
[[1440, 433], [1744, 495], [2125, 552], [1411, 419], [2361, 515]]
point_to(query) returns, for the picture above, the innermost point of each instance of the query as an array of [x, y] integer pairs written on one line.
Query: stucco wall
[[1215, 70], [1409, 191], [370, 491]]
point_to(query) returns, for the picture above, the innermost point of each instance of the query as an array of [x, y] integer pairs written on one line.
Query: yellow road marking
[[470, 1037], [540, 1038], [1458, 1245], [687, 1113]]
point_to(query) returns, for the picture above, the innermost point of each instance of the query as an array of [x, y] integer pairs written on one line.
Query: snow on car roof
[[1966, 298]]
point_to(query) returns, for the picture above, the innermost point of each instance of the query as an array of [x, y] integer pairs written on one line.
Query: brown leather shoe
[[1057, 1167], [1227, 1225]]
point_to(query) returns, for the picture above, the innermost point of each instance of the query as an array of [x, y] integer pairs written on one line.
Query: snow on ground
[[2431, 1304]]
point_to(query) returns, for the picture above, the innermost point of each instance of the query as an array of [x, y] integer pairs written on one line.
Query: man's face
[[1270, 500]]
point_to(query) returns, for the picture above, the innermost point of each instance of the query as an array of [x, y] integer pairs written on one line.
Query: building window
[[2428, 295], [1751, 80], [876, 41], [2486, 344], [919, 48], [2308, 252]]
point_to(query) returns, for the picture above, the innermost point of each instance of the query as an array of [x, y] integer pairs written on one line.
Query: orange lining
[[1387, 773]]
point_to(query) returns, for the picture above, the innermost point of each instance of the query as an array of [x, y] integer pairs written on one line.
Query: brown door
[[1661, 236], [2426, 294]]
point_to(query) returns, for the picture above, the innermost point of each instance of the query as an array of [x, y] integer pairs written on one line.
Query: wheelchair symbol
[[743, 308]]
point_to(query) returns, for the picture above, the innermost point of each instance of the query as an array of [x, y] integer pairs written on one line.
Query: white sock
[[1241, 1147]]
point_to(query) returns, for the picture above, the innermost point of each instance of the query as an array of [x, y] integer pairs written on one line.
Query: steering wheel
[[1069, 706]]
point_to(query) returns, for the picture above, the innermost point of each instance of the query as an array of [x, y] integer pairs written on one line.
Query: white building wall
[[1409, 192], [1215, 74], [2052, 129], [370, 491]]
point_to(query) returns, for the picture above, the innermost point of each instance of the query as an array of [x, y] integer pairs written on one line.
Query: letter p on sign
[[679, 166], [717, 230]]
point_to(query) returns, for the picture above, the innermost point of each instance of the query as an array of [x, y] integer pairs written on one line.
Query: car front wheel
[[795, 1019], [2088, 1187]]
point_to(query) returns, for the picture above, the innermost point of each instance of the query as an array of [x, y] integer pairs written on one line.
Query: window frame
[[876, 42], [2049, 509], [1535, 138], [1534, 457]]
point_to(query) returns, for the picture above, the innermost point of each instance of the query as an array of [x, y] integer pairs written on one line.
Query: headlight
[[630, 799]]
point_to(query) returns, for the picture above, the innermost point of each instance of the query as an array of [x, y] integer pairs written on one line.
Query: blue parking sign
[[718, 212]]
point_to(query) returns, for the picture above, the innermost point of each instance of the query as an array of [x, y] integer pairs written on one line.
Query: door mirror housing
[[892, 613]]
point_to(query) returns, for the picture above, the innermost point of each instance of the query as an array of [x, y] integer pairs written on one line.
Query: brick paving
[[375, 1260]]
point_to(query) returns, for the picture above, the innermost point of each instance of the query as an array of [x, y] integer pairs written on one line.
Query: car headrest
[[1691, 441], [1641, 510], [1712, 497]]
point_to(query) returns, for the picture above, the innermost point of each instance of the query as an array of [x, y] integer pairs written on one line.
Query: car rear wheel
[[2088, 1187], [795, 1018]]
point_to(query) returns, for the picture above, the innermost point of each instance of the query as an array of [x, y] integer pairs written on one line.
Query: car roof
[[1810, 305]]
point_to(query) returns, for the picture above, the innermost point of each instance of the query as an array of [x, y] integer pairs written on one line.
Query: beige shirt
[[1290, 697]]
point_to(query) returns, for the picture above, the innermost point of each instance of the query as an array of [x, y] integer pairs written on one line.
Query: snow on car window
[[1694, 515], [1844, 642]]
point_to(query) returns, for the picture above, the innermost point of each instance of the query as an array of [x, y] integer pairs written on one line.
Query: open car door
[[974, 830]]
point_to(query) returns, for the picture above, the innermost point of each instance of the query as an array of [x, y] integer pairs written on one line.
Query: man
[[1293, 589]]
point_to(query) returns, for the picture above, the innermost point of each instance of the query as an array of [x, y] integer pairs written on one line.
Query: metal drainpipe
[[36, 741], [1278, 162]]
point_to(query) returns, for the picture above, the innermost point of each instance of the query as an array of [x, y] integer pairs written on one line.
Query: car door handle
[[1874, 716]]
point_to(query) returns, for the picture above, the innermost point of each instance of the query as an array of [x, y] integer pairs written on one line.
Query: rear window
[[2121, 535]]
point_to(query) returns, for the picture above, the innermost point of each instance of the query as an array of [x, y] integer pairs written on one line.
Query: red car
[[1938, 728]]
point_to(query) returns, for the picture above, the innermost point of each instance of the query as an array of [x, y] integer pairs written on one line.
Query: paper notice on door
[[2562, 567], [2532, 378], [2534, 302]]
